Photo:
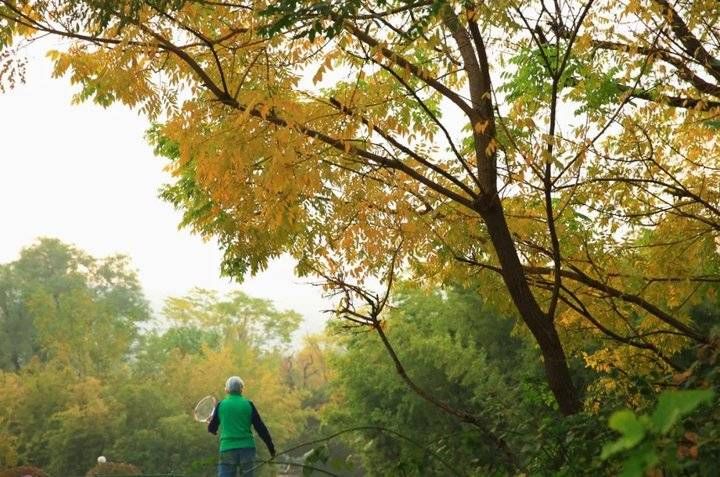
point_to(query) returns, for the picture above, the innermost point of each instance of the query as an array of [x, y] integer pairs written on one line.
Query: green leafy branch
[[644, 439]]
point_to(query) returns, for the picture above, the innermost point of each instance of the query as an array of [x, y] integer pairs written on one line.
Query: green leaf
[[672, 405], [639, 460], [631, 428], [712, 123]]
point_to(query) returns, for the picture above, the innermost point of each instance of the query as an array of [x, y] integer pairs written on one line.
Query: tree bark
[[541, 326]]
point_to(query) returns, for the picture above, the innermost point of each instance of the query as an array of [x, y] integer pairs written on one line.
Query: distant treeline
[[447, 385]]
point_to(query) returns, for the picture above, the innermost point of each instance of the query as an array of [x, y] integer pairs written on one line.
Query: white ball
[[102, 459]]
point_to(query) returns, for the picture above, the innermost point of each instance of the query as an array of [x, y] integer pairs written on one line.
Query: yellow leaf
[[319, 74]]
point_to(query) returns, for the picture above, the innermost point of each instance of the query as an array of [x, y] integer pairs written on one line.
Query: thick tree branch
[[434, 118], [579, 307], [398, 60], [402, 147], [692, 45], [482, 116], [669, 57], [577, 275]]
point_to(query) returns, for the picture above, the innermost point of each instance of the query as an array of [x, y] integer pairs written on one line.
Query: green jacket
[[234, 416]]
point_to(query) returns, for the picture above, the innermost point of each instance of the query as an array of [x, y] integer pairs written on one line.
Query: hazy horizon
[[85, 175]]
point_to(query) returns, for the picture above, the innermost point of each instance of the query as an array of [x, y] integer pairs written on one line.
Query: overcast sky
[[85, 175]]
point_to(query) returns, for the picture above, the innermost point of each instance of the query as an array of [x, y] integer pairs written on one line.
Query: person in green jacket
[[233, 416]]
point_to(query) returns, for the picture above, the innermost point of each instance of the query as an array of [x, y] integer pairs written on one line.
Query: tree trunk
[[540, 325]]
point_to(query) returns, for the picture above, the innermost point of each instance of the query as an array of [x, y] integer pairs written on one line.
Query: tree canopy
[[59, 303]]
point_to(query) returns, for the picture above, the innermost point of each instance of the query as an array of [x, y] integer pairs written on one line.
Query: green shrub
[[23, 471], [113, 468], [654, 441]]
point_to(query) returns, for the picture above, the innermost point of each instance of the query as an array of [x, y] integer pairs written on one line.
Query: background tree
[[81, 390], [236, 316], [57, 302], [435, 341]]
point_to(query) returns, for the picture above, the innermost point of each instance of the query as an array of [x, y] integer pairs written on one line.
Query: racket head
[[204, 409]]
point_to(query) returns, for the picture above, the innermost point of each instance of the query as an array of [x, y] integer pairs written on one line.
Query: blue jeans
[[232, 461]]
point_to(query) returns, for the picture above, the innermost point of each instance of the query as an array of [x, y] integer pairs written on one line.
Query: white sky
[[85, 175]]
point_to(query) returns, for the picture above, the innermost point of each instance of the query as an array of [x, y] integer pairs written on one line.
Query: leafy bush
[[23, 471], [113, 468], [650, 441]]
